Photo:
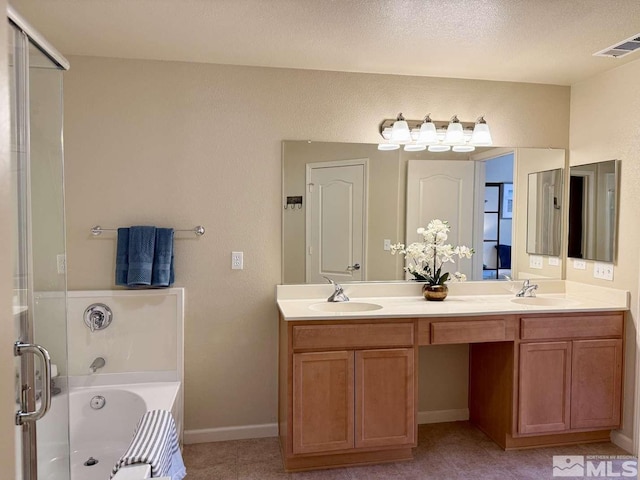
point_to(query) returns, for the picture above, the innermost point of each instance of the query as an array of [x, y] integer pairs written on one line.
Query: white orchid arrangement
[[426, 258]]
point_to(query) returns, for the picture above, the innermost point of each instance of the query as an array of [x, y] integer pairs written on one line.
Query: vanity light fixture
[[436, 136]]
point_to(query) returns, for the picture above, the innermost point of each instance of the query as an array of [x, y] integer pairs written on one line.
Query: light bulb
[[455, 133], [428, 134], [439, 148], [463, 148], [386, 147], [400, 132], [412, 147], [481, 135]]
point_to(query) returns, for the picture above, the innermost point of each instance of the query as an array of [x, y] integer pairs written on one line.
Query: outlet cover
[[553, 261], [61, 262], [237, 260], [579, 265], [387, 244]]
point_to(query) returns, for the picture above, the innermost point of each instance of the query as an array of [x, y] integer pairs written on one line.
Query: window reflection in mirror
[[593, 203], [386, 208], [544, 212]]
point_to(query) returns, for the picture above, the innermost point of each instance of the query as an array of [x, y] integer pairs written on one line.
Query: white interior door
[[442, 189], [336, 221]]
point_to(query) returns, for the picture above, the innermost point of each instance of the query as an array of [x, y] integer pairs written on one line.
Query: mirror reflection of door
[[336, 221], [442, 189]]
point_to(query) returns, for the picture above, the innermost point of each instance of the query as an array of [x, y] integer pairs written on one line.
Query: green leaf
[[443, 278]]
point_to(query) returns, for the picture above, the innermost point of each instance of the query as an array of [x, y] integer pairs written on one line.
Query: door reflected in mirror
[[544, 213], [593, 210]]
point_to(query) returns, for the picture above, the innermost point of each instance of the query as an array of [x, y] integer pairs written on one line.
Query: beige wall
[[605, 114], [7, 404], [183, 144]]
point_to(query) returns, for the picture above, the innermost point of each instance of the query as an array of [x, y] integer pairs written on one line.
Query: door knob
[[355, 266]]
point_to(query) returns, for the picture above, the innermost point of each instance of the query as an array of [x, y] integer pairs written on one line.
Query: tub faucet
[[338, 294], [528, 289], [96, 364]]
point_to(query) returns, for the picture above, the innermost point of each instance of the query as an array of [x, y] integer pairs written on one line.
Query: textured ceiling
[[540, 41]]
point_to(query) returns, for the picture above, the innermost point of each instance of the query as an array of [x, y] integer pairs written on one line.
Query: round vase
[[435, 293]]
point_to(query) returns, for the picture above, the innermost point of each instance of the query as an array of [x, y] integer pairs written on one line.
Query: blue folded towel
[[155, 443], [163, 258], [122, 257], [141, 250]]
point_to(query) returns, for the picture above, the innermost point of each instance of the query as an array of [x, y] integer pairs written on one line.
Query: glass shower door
[[39, 270]]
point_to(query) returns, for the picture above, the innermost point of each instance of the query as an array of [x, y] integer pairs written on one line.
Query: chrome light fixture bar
[[434, 135]]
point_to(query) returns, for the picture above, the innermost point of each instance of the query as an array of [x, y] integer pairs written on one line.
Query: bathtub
[[105, 433]]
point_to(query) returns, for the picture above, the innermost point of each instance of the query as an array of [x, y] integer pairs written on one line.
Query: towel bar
[[97, 230]]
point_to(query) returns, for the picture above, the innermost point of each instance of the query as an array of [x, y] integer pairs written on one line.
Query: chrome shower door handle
[[354, 267], [19, 349]]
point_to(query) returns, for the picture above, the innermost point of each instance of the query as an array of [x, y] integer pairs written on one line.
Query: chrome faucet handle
[[528, 289], [338, 294]]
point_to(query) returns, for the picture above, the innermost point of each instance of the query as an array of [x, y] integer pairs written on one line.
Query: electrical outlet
[[61, 261], [579, 265], [603, 271], [237, 261], [553, 261], [535, 261], [387, 244]]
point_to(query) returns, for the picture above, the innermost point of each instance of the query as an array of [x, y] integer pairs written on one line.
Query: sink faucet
[[338, 294], [528, 289], [96, 364]]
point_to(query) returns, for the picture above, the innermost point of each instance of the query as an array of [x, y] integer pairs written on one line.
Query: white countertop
[[470, 298]]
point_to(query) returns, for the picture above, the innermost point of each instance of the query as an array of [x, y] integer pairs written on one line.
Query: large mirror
[[544, 212], [345, 203], [593, 207]]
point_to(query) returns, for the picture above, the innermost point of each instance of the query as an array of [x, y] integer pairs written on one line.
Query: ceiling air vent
[[621, 49]]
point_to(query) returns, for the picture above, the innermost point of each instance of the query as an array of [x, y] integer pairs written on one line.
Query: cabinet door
[[544, 387], [322, 401], [596, 383], [385, 397]]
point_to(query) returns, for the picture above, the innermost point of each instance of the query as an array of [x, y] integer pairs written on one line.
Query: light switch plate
[[603, 271], [553, 261], [579, 265], [535, 261], [387, 244]]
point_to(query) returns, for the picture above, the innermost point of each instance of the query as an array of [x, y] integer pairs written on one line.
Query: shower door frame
[[25, 35]]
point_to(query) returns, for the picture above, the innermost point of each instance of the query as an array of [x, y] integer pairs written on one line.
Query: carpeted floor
[[446, 451]]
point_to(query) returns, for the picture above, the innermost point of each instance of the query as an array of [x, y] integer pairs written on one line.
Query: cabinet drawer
[[471, 331], [574, 326], [362, 335]]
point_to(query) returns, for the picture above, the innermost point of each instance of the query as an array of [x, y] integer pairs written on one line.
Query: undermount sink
[[345, 307], [544, 301]]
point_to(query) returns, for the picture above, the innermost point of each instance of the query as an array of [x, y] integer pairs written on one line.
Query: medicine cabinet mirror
[[593, 211]]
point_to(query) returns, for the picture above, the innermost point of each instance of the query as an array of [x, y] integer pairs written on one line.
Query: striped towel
[[155, 443]]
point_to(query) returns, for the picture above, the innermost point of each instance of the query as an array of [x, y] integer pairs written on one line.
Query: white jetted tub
[[102, 421]]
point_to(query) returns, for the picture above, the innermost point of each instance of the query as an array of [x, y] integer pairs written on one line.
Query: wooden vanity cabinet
[[570, 385], [352, 405], [559, 382]]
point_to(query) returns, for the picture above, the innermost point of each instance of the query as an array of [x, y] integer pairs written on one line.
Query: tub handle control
[[19, 349], [98, 316]]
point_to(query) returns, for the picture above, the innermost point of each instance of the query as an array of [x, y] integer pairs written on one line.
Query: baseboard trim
[[439, 416], [241, 432], [621, 440]]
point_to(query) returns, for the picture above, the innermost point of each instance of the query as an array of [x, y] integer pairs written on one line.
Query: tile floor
[[446, 451]]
